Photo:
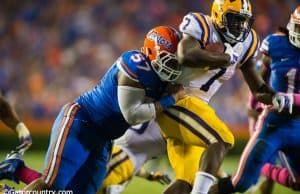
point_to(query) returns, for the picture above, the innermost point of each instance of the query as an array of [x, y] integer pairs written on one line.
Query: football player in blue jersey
[[279, 128], [131, 92], [11, 119]]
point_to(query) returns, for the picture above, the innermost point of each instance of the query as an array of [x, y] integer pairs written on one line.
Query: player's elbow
[[185, 58], [3, 102], [131, 118], [182, 55], [181, 58]]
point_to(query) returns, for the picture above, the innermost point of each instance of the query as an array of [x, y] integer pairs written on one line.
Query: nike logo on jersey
[[284, 59], [271, 125]]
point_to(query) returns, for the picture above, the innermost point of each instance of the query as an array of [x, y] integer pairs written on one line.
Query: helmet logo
[[160, 40]]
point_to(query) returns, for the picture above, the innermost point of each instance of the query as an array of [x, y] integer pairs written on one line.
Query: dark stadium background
[[52, 50]]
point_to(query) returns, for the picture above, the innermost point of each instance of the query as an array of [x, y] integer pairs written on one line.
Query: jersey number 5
[[138, 58]]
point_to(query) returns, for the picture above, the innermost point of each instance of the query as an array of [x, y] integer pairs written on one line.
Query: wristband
[[296, 99], [167, 101]]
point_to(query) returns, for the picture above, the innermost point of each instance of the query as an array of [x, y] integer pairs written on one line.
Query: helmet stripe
[[206, 33], [253, 47]]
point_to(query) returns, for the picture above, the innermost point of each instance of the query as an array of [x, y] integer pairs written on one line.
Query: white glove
[[283, 101], [232, 53], [24, 137]]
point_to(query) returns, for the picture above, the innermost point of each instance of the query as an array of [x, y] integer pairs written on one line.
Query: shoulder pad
[[272, 42], [253, 45], [131, 62], [196, 25], [265, 46]]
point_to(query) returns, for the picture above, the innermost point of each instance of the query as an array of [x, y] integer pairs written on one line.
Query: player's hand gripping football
[[283, 101], [24, 137], [159, 177]]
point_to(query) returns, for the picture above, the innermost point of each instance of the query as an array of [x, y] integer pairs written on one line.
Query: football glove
[[159, 177], [282, 101]]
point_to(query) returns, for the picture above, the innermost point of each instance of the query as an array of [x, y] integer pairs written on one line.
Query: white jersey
[[142, 142], [201, 83]]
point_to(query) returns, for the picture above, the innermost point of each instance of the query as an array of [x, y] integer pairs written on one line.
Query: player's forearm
[[191, 54], [7, 114], [131, 97], [260, 90], [147, 111], [11, 119], [135, 110], [197, 57]]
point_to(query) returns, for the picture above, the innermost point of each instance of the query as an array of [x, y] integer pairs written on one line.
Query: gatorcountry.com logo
[[159, 39]]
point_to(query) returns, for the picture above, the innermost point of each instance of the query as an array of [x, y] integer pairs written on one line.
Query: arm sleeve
[[133, 107]]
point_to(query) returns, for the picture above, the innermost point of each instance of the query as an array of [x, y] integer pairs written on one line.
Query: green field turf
[[138, 185]]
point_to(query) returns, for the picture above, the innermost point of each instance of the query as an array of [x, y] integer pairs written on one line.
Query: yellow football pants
[[119, 170], [189, 127]]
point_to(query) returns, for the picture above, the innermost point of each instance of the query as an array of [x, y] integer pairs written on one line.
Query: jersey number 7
[[205, 87]]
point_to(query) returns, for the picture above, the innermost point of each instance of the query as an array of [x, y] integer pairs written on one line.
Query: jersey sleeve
[[127, 65], [197, 26], [252, 49], [265, 46]]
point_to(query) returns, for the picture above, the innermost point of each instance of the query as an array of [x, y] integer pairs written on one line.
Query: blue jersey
[[276, 132], [285, 66], [101, 102]]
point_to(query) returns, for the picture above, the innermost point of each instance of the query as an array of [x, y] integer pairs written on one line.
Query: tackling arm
[[7, 114], [131, 97], [11, 119], [191, 54]]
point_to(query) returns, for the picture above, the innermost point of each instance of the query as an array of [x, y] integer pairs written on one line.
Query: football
[[216, 47]]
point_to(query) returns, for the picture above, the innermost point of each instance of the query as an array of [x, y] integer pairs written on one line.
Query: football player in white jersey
[[131, 151], [192, 121]]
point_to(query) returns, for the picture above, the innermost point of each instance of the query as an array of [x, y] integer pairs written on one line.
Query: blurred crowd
[[53, 50]]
